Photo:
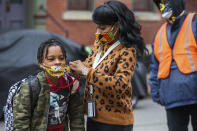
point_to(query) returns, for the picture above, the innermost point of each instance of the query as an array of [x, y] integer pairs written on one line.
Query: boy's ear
[[40, 64]]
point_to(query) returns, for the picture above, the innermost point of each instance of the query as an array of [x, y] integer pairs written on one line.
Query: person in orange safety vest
[[173, 75]]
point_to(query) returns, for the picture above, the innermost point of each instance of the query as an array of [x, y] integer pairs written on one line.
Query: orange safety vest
[[184, 51]]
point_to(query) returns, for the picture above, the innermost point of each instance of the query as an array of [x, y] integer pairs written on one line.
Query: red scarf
[[56, 128], [62, 83]]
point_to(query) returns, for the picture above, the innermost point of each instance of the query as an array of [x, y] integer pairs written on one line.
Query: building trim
[[87, 15], [147, 16], [77, 15]]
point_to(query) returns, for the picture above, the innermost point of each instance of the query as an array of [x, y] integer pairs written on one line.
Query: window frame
[[145, 15], [143, 10], [89, 6], [78, 14]]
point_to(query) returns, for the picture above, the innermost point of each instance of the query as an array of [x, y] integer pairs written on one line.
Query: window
[[143, 5], [80, 4]]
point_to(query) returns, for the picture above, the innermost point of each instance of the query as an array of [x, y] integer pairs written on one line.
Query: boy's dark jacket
[[22, 109]]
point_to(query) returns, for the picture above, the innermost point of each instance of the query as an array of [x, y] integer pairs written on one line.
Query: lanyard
[[97, 61]]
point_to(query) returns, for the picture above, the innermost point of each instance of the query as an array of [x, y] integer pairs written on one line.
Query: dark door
[[1, 14], [12, 14]]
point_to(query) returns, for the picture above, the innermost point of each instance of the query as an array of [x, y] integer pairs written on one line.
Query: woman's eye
[[102, 28]]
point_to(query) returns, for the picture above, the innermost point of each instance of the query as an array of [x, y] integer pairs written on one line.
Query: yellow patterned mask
[[56, 71]]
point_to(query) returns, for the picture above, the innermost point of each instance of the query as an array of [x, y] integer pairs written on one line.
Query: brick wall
[[191, 5], [148, 30], [101, 2], [55, 9], [82, 32]]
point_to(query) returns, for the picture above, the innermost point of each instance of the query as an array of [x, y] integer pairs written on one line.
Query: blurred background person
[[173, 76]]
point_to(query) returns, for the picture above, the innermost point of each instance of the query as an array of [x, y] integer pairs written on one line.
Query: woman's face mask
[[106, 37], [56, 71], [166, 10]]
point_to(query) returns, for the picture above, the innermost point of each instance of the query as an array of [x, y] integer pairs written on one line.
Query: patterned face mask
[[166, 10], [105, 38], [56, 71]]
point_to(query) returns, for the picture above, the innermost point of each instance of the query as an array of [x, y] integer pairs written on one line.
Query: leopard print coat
[[112, 84]]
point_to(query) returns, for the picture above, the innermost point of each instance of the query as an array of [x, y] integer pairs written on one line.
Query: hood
[[177, 6]]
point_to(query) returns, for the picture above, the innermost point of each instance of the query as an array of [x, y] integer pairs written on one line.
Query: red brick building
[[75, 17]]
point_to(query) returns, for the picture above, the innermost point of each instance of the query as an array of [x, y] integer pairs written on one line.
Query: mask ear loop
[[112, 30], [115, 32], [77, 76]]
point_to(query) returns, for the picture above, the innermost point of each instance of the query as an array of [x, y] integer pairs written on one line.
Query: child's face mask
[[105, 38], [56, 71]]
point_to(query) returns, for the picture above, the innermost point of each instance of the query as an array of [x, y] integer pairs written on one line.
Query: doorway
[[12, 14]]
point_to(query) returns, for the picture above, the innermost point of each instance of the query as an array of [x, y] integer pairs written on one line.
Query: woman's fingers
[[76, 66], [72, 64], [75, 63]]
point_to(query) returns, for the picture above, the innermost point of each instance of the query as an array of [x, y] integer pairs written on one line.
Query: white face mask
[[167, 15]]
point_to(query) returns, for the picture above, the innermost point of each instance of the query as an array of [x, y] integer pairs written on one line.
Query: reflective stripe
[[160, 38], [187, 43]]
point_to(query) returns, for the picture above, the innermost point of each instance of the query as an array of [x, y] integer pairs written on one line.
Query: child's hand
[[77, 66]]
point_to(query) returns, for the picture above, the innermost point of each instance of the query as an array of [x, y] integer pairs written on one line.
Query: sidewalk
[[2, 126], [150, 116]]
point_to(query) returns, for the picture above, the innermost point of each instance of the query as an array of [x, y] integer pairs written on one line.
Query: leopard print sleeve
[[119, 79]]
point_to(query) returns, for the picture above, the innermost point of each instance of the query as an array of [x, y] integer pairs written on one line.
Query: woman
[[110, 67], [58, 102]]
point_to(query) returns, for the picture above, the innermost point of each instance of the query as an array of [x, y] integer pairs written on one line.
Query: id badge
[[91, 108]]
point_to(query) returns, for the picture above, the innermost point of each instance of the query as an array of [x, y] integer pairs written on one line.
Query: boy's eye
[[62, 58], [50, 59]]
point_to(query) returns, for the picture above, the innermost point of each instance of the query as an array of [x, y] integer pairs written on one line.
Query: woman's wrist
[[85, 71]]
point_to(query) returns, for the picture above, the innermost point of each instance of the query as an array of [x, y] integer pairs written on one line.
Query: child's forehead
[[53, 49]]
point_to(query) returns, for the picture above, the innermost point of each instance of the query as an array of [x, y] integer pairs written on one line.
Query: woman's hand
[[77, 66]]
